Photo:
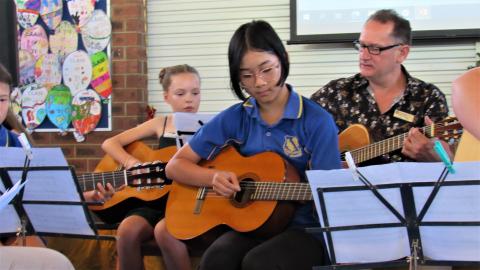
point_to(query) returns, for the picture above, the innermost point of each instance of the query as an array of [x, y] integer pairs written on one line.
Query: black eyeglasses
[[375, 50]]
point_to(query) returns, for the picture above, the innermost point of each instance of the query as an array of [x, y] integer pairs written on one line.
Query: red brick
[[118, 53], [118, 26], [127, 39], [126, 11], [119, 2], [118, 108], [135, 108], [135, 25], [139, 53], [128, 95], [85, 151], [124, 67], [126, 122], [68, 151], [80, 165], [118, 82], [41, 138], [137, 81]]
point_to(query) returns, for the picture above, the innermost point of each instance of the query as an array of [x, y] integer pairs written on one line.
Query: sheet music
[[8, 195], [56, 185], [15, 157], [453, 203], [189, 122], [9, 220], [67, 219]]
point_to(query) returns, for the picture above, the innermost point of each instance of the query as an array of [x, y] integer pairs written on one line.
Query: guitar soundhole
[[242, 199]]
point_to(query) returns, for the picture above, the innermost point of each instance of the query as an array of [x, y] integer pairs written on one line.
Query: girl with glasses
[[271, 117]]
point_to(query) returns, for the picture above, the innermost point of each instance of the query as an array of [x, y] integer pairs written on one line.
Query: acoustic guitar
[[357, 140], [267, 185], [468, 148], [138, 182]]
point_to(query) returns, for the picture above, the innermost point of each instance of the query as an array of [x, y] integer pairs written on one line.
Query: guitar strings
[[378, 148]]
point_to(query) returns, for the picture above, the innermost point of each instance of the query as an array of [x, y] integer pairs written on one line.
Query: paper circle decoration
[[47, 70], [26, 67], [51, 12], [80, 10], [64, 41], [96, 32], [34, 40], [77, 71], [27, 12], [33, 105], [16, 102], [86, 112], [101, 81], [59, 106]]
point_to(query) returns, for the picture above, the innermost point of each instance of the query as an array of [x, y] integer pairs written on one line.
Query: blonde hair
[[165, 75]]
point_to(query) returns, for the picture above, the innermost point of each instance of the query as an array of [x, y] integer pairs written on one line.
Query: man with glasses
[[383, 96]]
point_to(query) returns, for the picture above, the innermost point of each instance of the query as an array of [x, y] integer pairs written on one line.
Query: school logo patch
[[291, 147]]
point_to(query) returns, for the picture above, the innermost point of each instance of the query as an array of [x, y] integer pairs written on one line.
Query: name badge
[[404, 116]]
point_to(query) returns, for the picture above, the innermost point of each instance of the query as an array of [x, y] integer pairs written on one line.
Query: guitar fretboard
[[115, 178], [388, 145], [273, 191]]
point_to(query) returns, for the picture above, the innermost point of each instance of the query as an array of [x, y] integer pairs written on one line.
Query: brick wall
[[129, 78]]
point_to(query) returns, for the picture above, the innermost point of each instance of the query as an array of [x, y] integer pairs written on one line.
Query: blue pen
[[438, 147]]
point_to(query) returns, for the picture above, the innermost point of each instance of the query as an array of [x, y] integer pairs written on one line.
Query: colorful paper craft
[[101, 80], [80, 10], [96, 32], [26, 67], [64, 41], [59, 106], [34, 40], [33, 105], [51, 12], [27, 12], [86, 112], [77, 71], [47, 70]]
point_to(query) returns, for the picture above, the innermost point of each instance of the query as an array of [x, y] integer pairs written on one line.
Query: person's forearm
[[186, 172]]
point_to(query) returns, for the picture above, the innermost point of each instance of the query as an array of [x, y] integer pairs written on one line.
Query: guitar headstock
[[148, 174], [449, 128]]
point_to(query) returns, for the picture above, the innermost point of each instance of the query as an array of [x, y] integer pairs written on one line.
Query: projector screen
[[315, 21]]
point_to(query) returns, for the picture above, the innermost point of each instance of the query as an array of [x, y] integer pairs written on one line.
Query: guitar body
[[266, 218], [468, 148], [115, 209], [354, 137]]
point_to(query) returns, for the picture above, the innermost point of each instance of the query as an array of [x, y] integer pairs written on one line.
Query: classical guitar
[[134, 194], [356, 139], [261, 206], [468, 148]]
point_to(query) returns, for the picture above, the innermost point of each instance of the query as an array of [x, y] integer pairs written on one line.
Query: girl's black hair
[[255, 36]]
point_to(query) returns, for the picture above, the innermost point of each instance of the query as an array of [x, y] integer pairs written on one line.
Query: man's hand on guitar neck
[[100, 194], [420, 148]]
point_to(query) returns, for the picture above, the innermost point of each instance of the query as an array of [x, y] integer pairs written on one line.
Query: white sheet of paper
[[189, 122], [67, 219], [49, 186], [10, 194], [15, 157], [9, 220], [453, 203]]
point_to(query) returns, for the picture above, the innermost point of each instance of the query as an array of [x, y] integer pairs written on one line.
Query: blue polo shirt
[[306, 136], [8, 138]]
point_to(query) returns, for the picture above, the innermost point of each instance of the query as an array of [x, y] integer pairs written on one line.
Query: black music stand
[[51, 202], [422, 213], [188, 123]]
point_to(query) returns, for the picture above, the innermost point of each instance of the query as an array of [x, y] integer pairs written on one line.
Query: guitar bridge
[[199, 200]]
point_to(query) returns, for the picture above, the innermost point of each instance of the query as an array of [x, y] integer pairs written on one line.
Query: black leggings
[[292, 249]]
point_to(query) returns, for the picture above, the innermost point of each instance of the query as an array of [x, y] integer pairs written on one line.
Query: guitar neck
[[272, 191], [115, 178], [386, 146]]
